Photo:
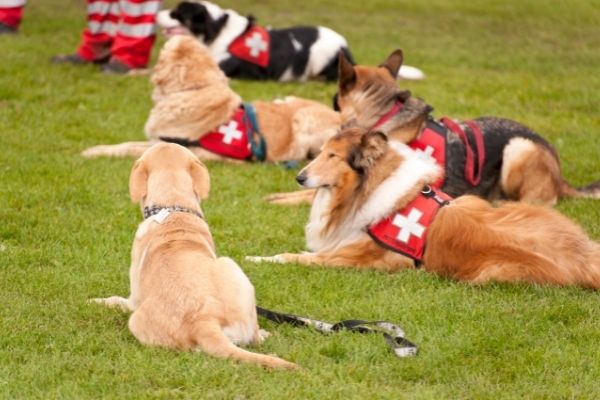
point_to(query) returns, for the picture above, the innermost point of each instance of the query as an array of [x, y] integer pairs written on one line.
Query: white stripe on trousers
[[108, 27], [103, 8], [137, 30], [11, 3], [128, 8], [136, 9], [111, 28]]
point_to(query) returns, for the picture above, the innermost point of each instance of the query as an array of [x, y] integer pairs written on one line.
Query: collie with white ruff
[[366, 214]]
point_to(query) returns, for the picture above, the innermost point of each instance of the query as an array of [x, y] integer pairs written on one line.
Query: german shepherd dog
[[362, 179], [515, 162]]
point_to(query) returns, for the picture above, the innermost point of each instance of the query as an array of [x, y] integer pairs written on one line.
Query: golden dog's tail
[[209, 337], [591, 191]]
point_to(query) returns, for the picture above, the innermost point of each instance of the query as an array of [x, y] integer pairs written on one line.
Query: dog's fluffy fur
[[192, 97], [297, 53], [520, 165], [361, 178], [182, 295]]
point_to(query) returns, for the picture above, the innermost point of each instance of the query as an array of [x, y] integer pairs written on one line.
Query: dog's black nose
[[301, 178]]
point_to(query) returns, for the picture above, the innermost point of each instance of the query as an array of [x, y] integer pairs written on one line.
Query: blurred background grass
[[66, 223]]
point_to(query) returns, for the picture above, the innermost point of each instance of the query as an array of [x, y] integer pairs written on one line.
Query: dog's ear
[[200, 179], [138, 181], [404, 95], [372, 146], [336, 102], [175, 14], [346, 74], [394, 62]]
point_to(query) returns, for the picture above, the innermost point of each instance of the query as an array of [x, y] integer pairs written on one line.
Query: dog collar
[[164, 211], [386, 117]]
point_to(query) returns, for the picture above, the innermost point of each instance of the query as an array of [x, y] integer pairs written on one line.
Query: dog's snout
[[301, 178]]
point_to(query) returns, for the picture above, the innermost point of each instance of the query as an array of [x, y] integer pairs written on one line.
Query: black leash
[[393, 334]]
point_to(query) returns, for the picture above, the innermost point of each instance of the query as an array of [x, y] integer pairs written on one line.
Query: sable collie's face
[[344, 158]]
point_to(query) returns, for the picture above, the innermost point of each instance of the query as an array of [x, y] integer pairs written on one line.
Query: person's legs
[[11, 13], [135, 36], [102, 24]]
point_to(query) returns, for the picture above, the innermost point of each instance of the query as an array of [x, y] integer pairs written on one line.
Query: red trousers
[[123, 30], [11, 12]]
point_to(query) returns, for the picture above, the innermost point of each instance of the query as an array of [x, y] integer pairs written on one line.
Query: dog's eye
[[331, 155]]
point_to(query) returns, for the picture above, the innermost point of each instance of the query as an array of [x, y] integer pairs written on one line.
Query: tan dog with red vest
[[194, 106]]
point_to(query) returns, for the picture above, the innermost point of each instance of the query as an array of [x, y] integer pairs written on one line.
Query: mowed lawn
[[66, 223]]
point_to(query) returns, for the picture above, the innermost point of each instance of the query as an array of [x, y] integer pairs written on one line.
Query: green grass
[[66, 223]]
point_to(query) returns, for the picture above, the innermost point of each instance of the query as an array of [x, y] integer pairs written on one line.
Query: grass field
[[66, 223]]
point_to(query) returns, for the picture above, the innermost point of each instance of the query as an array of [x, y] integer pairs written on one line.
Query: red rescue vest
[[254, 46], [230, 139], [432, 143], [405, 231]]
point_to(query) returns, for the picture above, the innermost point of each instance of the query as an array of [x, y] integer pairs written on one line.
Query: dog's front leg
[[113, 302], [305, 258], [292, 198], [127, 149]]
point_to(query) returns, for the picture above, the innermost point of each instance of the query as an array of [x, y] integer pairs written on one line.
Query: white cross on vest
[[230, 132], [409, 225], [426, 154], [256, 44]]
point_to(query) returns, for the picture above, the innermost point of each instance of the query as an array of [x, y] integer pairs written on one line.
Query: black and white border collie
[[298, 53]]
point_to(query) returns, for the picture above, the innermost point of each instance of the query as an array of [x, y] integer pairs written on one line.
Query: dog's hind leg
[[365, 254], [511, 263], [530, 172], [151, 327]]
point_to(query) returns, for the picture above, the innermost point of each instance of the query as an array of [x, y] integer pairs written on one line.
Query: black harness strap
[[180, 141], [393, 334]]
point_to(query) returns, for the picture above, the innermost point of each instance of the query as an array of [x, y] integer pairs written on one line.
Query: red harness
[[254, 46], [432, 143], [404, 231], [230, 139]]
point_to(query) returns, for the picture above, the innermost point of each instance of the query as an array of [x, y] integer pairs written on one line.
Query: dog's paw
[[263, 334], [278, 259], [112, 302]]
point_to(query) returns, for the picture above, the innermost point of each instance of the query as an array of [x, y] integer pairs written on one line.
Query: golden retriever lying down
[[192, 99], [182, 295], [364, 215]]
